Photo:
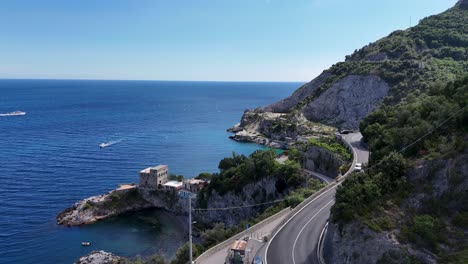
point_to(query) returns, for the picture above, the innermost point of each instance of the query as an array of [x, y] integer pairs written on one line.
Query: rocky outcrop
[[96, 208], [347, 101], [99, 257], [276, 130], [344, 104], [359, 245], [300, 94], [261, 191], [431, 180], [322, 161]]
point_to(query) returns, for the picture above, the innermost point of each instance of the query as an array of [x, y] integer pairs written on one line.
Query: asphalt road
[[297, 240]]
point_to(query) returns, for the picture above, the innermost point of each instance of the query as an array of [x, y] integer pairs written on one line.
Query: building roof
[[126, 186], [239, 245], [158, 167], [195, 181], [173, 184]]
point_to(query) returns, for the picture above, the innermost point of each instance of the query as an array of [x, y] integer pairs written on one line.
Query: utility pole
[[190, 228]]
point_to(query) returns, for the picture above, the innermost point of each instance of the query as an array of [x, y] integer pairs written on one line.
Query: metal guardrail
[[291, 212], [332, 185], [231, 240]]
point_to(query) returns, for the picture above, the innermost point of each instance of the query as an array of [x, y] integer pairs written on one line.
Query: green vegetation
[[218, 233], [124, 199], [424, 230], [414, 117], [239, 170], [88, 206], [204, 176], [435, 50], [398, 137], [332, 145], [181, 257], [174, 177]]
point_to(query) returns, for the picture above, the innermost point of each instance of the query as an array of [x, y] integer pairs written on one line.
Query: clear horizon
[[225, 41]]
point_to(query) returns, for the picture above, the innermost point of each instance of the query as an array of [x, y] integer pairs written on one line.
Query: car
[[257, 260], [358, 167]]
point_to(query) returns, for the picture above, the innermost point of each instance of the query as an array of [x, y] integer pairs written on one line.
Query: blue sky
[[236, 40]]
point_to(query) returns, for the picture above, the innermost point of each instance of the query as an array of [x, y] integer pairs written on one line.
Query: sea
[[50, 157]]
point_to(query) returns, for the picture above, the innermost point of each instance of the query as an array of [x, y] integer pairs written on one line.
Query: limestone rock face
[[258, 192], [347, 101], [300, 94], [99, 257], [358, 245], [463, 4], [322, 161]]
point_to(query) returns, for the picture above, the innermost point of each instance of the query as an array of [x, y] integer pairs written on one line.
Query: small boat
[[15, 113], [103, 145], [85, 244], [110, 143]]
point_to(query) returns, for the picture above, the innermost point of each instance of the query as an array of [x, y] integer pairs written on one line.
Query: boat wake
[[15, 113], [110, 143]]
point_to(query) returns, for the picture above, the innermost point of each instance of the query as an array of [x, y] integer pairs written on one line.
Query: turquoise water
[[50, 157]]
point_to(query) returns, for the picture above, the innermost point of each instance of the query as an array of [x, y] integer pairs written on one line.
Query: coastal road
[[296, 241], [319, 176]]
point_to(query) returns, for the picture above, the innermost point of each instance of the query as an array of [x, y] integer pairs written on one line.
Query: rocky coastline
[[276, 130], [99, 257], [120, 201]]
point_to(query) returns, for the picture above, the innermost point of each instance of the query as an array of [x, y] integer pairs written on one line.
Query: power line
[[425, 135], [237, 207], [432, 130]]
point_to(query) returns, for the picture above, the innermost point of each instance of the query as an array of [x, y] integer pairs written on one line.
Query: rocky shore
[[126, 198], [99, 257], [276, 130], [95, 208]]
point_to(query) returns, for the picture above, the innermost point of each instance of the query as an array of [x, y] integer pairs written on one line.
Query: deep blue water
[[50, 157]]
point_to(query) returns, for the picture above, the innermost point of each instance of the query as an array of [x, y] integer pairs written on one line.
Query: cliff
[[381, 73], [117, 202], [96, 208], [347, 101], [261, 191], [322, 161], [398, 233]]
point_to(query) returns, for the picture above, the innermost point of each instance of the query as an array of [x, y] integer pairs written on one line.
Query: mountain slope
[[411, 205], [436, 50]]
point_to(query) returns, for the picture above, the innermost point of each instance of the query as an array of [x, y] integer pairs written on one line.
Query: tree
[[182, 254], [204, 176], [174, 177], [391, 172]]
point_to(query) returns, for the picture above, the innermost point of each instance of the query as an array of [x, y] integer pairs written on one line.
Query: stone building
[[195, 185], [153, 178]]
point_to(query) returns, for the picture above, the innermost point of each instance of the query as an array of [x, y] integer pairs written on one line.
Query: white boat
[[86, 244], [15, 113], [103, 145], [110, 143]]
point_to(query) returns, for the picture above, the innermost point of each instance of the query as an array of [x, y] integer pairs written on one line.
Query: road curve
[[296, 241]]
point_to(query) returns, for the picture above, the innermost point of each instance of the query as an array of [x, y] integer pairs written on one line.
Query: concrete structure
[[173, 185], [126, 186], [153, 178], [194, 185]]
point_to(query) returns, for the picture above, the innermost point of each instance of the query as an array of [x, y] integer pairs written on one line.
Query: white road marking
[[302, 229]]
